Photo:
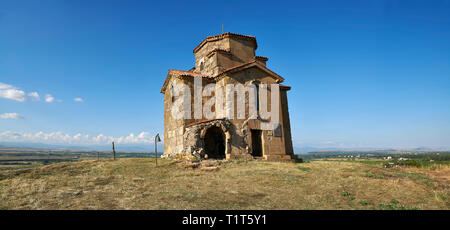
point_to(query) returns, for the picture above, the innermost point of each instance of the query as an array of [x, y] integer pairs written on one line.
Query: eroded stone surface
[[221, 60]]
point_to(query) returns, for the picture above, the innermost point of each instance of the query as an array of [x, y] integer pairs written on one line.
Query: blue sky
[[363, 73]]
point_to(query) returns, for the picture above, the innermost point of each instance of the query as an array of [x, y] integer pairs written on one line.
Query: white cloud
[[82, 139], [34, 96], [16, 94], [78, 99], [10, 116], [11, 92], [49, 98], [143, 137]]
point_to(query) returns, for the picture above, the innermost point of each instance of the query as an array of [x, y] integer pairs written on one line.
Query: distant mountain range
[[302, 150], [118, 147], [151, 148]]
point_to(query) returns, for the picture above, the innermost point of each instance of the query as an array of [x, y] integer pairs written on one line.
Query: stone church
[[223, 59]]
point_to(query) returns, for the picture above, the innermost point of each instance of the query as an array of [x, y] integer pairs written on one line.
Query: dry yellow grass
[[138, 184]]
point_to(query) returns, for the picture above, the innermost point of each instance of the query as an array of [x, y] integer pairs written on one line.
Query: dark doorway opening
[[256, 143], [215, 143]]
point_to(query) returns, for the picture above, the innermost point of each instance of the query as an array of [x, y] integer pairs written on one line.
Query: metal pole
[[114, 151], [156, 151]]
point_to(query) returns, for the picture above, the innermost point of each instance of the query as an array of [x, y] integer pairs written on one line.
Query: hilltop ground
[[133, 183]]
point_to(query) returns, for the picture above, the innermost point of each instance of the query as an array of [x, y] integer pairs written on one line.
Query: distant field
[[16, 158], [135, 183]]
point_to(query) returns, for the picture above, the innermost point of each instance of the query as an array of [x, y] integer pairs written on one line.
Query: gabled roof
[[235, 69], [186, 73], [181, 73], [262, 58], [250, 65], [225, 35]]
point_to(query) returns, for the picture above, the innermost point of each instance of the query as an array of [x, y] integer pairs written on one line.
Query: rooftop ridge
[[187, 73], [224, 35]]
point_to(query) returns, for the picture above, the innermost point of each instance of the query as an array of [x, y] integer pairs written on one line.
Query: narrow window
[[172, 93], [257, 97]]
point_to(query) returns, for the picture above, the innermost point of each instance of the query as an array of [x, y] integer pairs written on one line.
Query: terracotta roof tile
[[218, 50], [235, 67], [183, 73], [262, 58], [224, 35], [250, 63], [232, 34], [187, 73]]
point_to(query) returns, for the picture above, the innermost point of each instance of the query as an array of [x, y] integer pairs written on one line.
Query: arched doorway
[[215, 143]]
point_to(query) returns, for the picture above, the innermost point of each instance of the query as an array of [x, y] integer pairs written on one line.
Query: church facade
[[236, 127]]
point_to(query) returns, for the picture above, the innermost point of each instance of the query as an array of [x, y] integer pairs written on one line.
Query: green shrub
[[395, 205], [304, 168], [365, 203], [345, 193]]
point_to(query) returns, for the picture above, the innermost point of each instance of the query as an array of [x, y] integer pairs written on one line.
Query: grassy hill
[[133, 183]]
